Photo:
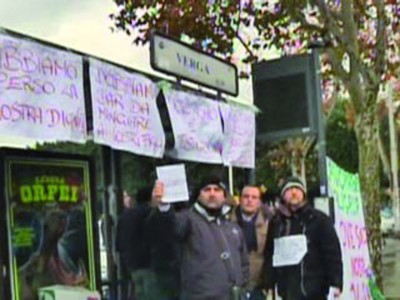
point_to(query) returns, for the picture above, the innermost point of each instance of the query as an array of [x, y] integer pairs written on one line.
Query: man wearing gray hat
[[303, 257], [214, 261]]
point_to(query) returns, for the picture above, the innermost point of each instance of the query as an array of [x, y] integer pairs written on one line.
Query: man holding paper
[[303, 256], [214, 262]]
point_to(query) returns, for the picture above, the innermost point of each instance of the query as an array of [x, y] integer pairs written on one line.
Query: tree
[[358, 36]]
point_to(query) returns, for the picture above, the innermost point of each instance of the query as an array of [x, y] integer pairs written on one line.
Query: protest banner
[[239, 136], [125, 114], [41, 91], [49, 223], [350, 226], [196, 125]]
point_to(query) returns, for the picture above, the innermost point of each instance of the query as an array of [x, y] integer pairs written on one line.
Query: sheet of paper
[[289, 250], [175, 184], [331, 295]]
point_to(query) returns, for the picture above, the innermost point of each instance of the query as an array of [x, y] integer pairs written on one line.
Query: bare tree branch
[[380, 59], [252, 55], [299, 16], [237, 34], [330, 19]]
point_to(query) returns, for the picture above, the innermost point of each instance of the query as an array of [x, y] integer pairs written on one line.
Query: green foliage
[[341, 140]]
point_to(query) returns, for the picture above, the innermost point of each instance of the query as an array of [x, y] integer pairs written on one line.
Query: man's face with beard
[[293, 196], [212, 196]]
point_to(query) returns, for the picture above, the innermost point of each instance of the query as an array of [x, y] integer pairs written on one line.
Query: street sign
[[176, 58]]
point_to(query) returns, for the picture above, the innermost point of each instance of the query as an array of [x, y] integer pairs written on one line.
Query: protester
[[165, 254], [132, 244], [214, 262], [253, 216], [320, 270]]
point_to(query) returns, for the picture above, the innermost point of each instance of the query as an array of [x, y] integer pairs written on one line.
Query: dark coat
[[322, 265], [213, 254], [131, 237]]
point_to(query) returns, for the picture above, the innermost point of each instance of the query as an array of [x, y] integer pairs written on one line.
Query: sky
[[81, 25]]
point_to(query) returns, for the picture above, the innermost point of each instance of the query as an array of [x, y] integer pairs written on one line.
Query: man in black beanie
[[317, 269], [214, 262]]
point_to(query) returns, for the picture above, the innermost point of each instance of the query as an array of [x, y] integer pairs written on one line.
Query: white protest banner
[[41, 91], [125, 114], [197, 127], [350, 226], [239, 136], [289, 250], [175, 184]]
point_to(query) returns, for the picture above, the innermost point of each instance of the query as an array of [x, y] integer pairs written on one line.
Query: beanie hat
[[207, 180], [143, 195], [292, 182]]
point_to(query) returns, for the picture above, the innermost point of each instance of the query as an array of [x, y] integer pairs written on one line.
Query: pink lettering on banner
[[28, 84], [70, 91], [358, 267], [360, 290], [188, 142], [17, 112], [120, 118], [204, 112], [111, 99], [239, 124], [207, 113], [145, 140], [60, 118], [125, 85], [37, 86], [181, 107], [140, 108], [354, 236], [17, 58]]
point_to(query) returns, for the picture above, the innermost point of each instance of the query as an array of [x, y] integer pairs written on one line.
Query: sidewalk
[[391, 268]]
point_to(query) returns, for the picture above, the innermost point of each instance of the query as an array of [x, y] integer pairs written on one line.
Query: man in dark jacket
[[317, 268], [132, 244], [214, 262]]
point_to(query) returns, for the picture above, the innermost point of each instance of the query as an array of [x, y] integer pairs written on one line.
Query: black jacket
[[131, 237], [322, 265]]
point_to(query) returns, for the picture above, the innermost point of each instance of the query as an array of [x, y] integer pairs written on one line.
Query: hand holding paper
[[174, 186], [334, 293], [157, 193]]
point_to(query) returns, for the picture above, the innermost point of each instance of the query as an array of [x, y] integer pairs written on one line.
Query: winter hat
[[207, 180], [143, 195], [292, 182]]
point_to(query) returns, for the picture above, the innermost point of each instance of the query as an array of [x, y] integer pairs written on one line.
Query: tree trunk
[[367, 133]]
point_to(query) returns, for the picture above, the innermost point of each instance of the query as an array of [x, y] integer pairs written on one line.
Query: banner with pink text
[[350, 225], [41, 92], [197, 127], [239, 136], [125, 114]]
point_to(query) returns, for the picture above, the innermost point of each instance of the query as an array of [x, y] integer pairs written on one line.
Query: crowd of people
[[211, 249]]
